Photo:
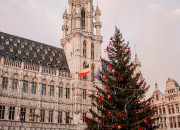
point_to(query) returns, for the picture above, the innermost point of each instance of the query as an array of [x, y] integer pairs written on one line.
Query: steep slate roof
[[22, 49]]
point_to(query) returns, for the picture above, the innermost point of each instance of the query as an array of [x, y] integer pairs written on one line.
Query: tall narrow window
[[60, 117], [67, 93], [84, 93], [14, 84], [84, 116], [60, 92], [42, 115], [23, 114], [33, 89], [92, 72], [43, 91], [92, 51], [2, 110], [172, 106], [177, 108], [5, 82], [51, 93], [164, 110], [84, 49], [83, 19], [25, 86], [11, 113], [67, 117], [157, 97], [32, 113], [50, 116]]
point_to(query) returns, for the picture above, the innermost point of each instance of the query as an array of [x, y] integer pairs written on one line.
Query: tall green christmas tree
[[120, 103]]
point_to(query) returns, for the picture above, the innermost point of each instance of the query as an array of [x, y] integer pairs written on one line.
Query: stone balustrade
[[34, 68]]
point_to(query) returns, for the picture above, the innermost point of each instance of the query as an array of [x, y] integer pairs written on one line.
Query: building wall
[[167, 106], [19, 99]]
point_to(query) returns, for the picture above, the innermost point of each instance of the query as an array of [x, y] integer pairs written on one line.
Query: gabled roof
[[22, 56]]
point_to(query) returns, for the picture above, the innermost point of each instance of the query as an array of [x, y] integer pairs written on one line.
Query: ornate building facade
[[167, 104], [39, 84], [40, 88]]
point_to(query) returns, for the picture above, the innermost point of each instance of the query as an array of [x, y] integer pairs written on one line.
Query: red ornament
[[109, 44], [104, 51], [126, 50], [116, 47], [119, 127], [107, 48], [110, 112], [127, 71], [146, 90], [118, 31], [104, 76], [89, 95], [111, 38], [101, 59], [113, 71], [137, 79], [121, 43], [137, 100], [110, 65], [104, 116], [105, 88], [109, 96], [116, 100], [145, 121], [110, 56]]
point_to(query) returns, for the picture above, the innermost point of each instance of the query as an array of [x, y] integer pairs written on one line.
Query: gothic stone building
[[39, 84], [40, 88], [167, 104]]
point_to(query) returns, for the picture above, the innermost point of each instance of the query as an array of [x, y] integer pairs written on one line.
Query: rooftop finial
[[135, 48]]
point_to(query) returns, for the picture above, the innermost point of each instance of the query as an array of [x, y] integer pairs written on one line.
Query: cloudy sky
[[152, 25]]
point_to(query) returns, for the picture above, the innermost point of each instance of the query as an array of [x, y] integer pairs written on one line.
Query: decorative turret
[[156, 87], [97, 23], [64, 26], [138, 63]]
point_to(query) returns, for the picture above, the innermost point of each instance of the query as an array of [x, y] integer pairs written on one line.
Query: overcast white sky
[[152, 25]]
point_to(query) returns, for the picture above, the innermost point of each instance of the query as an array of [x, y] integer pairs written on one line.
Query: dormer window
[[22, 45], [48, 64], [30, 48], [18, 40], [11, 38], [38, 49], [51, 58], [7, 42], [83, 19], [24, 58], [27, 53], [53, 53], [11, 49], [43, 57], [15, 44], [35, 55], [40, 62], [2, 36], [41, 47], [25, 42], [58, 61], [45, 51], [19, 51], [33, 45], [7, 55], [1, 47]]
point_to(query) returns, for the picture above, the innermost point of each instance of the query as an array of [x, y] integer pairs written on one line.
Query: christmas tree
[[120, 103]]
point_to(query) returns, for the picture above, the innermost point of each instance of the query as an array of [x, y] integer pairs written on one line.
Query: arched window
[[92, 51], [84, 49], [83, 19], [92, 72], [84, 66]]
